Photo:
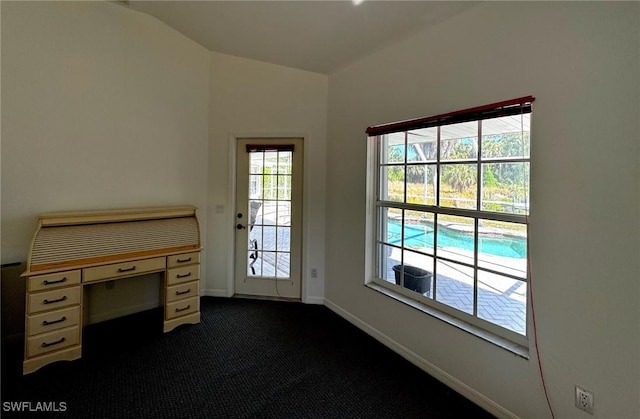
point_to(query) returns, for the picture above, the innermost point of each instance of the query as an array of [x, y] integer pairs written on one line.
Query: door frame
[[230, 214]]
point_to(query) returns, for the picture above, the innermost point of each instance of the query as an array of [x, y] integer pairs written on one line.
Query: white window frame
[[470, 322]]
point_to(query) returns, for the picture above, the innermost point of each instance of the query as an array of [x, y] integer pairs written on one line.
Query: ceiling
[[318, 36]]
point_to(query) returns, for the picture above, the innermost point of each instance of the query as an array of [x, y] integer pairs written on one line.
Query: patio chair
[[253, 243]]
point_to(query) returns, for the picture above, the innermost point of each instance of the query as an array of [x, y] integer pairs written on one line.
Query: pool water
[[422, 236]]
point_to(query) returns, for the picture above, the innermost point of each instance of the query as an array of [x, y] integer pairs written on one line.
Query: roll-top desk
[[73, 249]]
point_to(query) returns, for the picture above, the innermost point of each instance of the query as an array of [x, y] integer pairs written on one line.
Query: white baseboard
[[214, 293], [314, 300], [108, 315], [437, 373]]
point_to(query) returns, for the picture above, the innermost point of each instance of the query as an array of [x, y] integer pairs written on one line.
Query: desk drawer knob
[[64, 297], [46, 345], [60, 320], [59, 281], [178, 310], [184, 260], [183, 292], [183, 276], [133, 268]]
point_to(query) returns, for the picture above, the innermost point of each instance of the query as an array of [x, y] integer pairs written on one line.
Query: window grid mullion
[[476, 240], [436, 216], [404, 166]]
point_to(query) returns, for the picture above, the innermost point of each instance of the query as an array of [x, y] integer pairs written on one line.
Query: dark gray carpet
[[247, 359]]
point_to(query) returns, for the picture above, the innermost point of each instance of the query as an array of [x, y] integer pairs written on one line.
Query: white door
[[268, 217]]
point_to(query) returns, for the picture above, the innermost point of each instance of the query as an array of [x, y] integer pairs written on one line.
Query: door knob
[[240, 226]]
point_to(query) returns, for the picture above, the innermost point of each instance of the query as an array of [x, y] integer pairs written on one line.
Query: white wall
[[102, 107], [582, 63], [254, 98]]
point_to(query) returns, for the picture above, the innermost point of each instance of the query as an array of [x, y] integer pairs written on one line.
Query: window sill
[[501, 342]]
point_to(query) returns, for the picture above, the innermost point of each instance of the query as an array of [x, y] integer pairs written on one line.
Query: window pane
[[416, 273], [454, 286], [459, 185], [283, 267], [268, 263], [390, 226], [271, 162], [502, 247], [459, 141], [506, 136], [418, 231], [255, 213], [269, 212], [254, 264], [284, 187], [422, 145], [392, 183], [284, 162], [502, 301], [393, 150], [284, 239], [268, 238], [505, 187], [256, 163], [284, 213], [389, 257], [456, 238], [421, 184]]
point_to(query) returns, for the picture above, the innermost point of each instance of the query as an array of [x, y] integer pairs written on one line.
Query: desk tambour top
[[84, 239]]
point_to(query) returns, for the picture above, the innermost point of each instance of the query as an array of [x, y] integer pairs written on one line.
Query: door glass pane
[[254, 267], [284, 163], [270, 214], [284, 239], [268, 238], [283, 260]]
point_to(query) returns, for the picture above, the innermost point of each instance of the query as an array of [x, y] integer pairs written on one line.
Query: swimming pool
[[422, 236]]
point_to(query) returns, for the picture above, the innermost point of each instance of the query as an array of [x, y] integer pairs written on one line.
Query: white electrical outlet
[[584, 400], [314, 273]]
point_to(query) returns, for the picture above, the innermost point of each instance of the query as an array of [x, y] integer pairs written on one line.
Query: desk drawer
[[53, 341], [53, 281], [51, 300], [183, 259], [182, 307], [53, 320], [118, 270], [180, 292], [180, 275]]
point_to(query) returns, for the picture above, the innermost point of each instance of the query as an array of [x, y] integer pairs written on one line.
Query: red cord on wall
[[533, 321]]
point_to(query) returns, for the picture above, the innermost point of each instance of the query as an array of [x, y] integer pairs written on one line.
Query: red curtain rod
[[421, 122]]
